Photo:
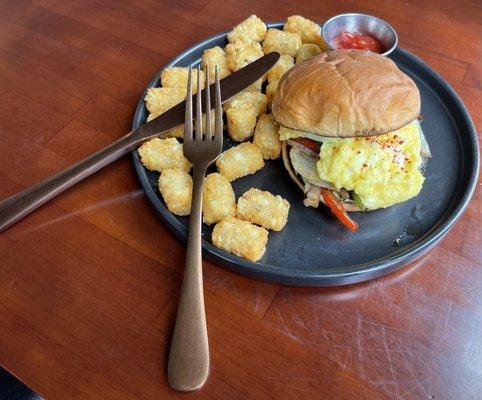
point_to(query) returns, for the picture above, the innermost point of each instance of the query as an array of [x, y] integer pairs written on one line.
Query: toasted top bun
[[346, 93]]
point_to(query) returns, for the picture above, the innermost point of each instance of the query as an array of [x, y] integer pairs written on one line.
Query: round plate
[[314, 249]]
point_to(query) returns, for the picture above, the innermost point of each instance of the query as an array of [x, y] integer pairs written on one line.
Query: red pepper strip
[[337, 208], [308, 143]]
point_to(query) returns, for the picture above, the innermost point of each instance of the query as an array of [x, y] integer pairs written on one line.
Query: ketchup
[[352, 40]]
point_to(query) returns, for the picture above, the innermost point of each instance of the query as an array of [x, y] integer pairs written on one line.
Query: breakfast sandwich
[[350, 132]]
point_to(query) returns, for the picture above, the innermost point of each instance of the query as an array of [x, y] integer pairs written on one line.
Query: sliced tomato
[[337, 208], [308, 143]]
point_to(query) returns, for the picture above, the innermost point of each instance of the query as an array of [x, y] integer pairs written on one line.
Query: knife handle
[[21, 204]]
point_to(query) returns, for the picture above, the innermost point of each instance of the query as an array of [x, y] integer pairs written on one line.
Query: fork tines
[[207, 134]]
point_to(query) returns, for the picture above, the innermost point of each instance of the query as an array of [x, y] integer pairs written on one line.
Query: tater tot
[[258, 99], [218, 199], [215, 57], [240, 238], [159, 154], [151, 116], [309, 31], [159, 100], [255, 87], [306, 51], [241, 160], [252, 29], [203, 123], [320, 42], [279, 69], [177, 132], [263, 208], [283, 42], [241, 121], [176, 77], [266, 137], [240, 54], [176, 190], [270, 91]]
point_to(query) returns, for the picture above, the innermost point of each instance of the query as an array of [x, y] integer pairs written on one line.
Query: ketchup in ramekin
[[357, 41]]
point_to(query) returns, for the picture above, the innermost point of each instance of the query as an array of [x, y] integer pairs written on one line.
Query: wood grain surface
[[89, 283]]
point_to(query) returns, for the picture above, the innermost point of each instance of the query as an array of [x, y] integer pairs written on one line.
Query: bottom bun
[[350, 207]]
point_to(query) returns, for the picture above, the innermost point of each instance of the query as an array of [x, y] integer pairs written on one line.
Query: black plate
[[314, 249]]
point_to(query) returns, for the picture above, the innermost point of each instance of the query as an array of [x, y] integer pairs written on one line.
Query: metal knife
[[19, 205]]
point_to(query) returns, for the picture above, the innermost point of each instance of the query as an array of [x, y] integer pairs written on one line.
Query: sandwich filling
[[369, 172]]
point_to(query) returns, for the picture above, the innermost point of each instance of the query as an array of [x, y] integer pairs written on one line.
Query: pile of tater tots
[[240, 227]]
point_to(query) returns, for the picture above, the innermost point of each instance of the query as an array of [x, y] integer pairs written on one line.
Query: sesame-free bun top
[[346, 93]]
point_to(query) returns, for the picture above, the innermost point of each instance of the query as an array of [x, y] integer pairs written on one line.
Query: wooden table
[[89, 283]]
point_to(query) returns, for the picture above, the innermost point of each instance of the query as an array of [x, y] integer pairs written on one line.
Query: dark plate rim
[[357, 272]]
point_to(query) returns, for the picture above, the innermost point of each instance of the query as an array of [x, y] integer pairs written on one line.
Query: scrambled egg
[[381, 170]]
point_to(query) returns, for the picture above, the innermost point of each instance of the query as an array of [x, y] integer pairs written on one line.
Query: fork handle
[[188, 365], [21, 204]]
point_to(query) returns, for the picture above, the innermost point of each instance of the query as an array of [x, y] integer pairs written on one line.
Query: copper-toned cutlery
[[21, 204], [188, 366]]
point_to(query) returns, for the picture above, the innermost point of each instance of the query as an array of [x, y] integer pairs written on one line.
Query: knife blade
[[21, 204], [230, 86]]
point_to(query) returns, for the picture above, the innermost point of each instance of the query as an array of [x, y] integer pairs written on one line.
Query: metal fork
[[188, 366]]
